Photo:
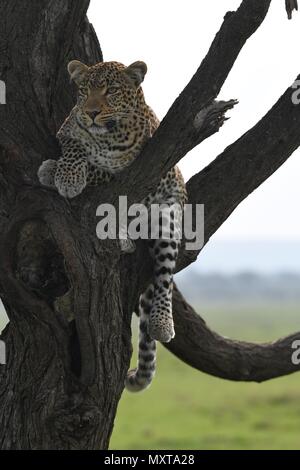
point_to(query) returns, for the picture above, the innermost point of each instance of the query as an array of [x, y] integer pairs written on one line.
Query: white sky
[[172, 37]]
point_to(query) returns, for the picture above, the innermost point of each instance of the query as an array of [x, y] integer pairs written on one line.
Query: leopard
[[103, 134]]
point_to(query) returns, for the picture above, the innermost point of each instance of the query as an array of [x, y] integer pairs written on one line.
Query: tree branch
[[177, 134], [244, 165], [200, 347], [291, 5], [239, 170]]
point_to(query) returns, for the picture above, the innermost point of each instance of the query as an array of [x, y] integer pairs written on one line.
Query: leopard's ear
[[136, 73], [77, 71]]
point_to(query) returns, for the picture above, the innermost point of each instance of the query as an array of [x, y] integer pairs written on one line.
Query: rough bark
[[54, 393], [69, 297]]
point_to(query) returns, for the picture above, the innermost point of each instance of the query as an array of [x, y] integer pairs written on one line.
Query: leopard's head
[[108, 92]]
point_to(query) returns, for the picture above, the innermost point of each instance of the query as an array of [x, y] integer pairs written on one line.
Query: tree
[[70, 297]]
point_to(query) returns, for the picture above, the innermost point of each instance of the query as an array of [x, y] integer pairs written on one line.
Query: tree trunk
[[68, 340], [60, 392]]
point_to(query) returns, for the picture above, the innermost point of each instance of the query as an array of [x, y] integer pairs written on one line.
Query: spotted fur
[[103, 134], [141, 377]]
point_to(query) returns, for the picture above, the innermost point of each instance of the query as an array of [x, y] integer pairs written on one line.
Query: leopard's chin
[[94, 129]]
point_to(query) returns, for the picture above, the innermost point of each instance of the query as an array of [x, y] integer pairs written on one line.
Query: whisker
[[110, 116]]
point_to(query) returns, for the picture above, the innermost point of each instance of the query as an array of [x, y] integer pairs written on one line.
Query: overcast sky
[[172, 37]]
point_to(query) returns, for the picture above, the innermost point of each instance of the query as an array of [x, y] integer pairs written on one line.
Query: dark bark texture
[[70, 297]]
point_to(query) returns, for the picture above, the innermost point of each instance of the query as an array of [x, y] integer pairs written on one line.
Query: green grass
[[185, 409]]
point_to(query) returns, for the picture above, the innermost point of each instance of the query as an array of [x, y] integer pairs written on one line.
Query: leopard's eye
[[112, 90]]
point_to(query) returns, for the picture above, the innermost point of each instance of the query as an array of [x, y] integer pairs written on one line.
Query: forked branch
[[245, 165], [177, 134]]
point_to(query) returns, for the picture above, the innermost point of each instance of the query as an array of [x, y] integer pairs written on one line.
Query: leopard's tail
[[140, 378]]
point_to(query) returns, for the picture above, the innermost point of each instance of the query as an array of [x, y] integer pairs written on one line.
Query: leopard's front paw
[[68, 190], [46, 173], [70, 182]]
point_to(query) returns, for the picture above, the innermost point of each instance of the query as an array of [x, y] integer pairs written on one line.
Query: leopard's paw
[[70, 182], [68, 190], [46, 173]]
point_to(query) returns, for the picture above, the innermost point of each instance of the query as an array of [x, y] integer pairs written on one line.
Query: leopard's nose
[[92, 114]]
